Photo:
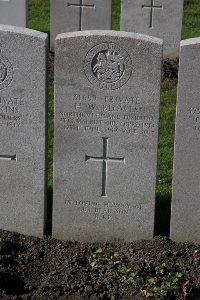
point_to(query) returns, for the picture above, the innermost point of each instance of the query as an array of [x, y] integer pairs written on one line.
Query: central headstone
[[107, 92], [78, 15], [13, 12], [159, 18]]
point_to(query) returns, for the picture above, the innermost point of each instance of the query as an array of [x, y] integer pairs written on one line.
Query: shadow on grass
[[48, 230], [162, 215]]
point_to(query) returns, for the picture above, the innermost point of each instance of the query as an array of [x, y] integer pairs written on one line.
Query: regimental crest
[[6, 72], [108, 66]]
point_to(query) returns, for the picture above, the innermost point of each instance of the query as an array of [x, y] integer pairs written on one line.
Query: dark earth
[[32, 268]]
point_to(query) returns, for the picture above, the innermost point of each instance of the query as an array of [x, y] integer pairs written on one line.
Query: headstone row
[[158, 18], [106, 135]]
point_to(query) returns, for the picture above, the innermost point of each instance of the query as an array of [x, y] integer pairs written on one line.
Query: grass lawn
[[39, 19]]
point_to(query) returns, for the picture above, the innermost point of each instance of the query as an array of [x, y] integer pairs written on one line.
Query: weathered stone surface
[[23, 130], [185, 221], [106, 126], [13, 12], [78, 15], [163, 21]]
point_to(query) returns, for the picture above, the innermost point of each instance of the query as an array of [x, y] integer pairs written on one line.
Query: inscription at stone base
[[104, 210]]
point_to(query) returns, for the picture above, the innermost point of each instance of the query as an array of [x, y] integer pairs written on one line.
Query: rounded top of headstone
[[110, 33], [189, 42], [23, 31]]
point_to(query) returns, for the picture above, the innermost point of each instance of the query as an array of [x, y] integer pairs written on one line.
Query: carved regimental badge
[[108, 66], [6, 72]]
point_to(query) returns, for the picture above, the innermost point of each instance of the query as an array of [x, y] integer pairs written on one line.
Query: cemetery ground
[[32, 268]]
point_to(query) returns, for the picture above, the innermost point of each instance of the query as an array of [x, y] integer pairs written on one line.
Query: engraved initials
[[81, 6], [152, 7], [104, 159]]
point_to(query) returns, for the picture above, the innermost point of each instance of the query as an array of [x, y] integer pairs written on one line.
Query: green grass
[[191, 19], [39, 15], [166, 138], [165, 155], [39, 19], [116, 9]]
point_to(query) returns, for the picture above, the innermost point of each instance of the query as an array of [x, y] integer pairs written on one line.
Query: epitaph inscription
[[103, 210]]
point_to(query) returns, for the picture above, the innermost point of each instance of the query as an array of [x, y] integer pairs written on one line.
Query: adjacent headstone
[[78, 15], [159, 18], [23, 116], [106, 128], [185, 220], [13, 12]]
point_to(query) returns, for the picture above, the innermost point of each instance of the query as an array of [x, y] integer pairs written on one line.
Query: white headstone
[[107, 94], [185, 220], [159, 18], [78, 15], [13, 12], [23, 114]]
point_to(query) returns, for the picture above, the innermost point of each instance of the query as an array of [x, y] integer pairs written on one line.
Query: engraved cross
[[81, 6], [8, 157], [152, 7], [105, 159]]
